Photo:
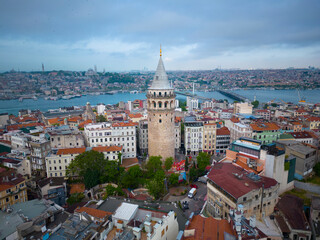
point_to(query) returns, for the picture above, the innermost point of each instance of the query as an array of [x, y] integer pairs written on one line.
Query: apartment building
[[209, 137], [193, 137], [143, 137], [264, 113], [229, 185], [65, 137], [39, 150], [267, 132], [242, 108], [222, 140], [13, 188], [238, 130], [58, 161], [113, 134]]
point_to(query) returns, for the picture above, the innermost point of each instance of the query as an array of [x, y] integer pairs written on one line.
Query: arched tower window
[[154, 94], [159, 94], [165, 94], [154, 104], [160, 104], [165, 104]]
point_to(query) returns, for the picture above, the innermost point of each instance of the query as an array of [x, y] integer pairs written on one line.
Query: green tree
[[182, 105], [168, 163], [112, 172], [88, 165], [255, 104], [131, 178], [203, 160], [186, 164], [101, 118], [154, 164], [316, 169], [156, 185], [265, 106], [90, 178], [174, 179], [75, 198]]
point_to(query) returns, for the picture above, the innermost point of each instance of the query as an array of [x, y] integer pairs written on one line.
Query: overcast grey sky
[[125, 35]]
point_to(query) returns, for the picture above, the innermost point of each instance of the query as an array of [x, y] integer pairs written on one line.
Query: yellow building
[[209, 137], [13, 188]]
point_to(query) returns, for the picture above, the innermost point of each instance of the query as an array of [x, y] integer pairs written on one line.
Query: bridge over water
[[191, 95], [229, 94], [232, 95]]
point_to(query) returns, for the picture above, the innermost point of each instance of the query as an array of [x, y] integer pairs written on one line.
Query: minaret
[[161, 105]]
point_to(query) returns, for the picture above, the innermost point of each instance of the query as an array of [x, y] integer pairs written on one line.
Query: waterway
[[13, 106]]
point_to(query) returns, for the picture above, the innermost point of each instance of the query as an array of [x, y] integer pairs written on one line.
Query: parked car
[[185, 205], [192, 193], [194, 186], [203, 179]]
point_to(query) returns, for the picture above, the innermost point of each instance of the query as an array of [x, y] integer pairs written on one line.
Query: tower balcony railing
[[162, 96], [160, 109]]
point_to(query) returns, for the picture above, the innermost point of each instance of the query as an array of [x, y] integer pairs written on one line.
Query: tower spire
[[160, 51]]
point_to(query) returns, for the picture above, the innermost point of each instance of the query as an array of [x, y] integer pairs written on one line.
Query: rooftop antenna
[[193, 89]]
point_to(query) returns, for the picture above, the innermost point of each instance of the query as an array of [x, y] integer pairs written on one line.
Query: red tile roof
[[292, 207], [300, 134], [124, 124], [82, 124], [107, 148], [66, 151], [209, 228], [266, 126], [129, 162], [77, 188], [225, 176], [138, 115], [223, 131], [94, 212]]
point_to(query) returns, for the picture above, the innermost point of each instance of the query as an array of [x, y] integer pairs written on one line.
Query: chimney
[[253, 221], [137, 232], [147, 226]]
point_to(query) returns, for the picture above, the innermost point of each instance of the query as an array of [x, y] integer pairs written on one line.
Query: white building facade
[[113, 134]]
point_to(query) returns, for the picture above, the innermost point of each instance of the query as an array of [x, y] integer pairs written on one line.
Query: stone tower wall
[[161, 139]]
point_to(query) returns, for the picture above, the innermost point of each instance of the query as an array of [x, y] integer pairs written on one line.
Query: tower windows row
[[161, 94], [161, 105]]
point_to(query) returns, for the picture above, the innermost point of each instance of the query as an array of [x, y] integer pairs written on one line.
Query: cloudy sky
[[125, 35]]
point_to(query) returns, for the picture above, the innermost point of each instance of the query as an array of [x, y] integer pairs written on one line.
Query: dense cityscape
[[159, 120], [68, 84], [158, 166]]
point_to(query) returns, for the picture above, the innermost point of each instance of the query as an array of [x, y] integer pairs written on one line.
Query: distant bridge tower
[[42, 67]]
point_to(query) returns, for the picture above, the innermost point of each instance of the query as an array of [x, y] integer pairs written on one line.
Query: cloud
[[130, 32], [109, 46]]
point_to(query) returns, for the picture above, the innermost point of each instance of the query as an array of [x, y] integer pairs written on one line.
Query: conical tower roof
[[160, 79]]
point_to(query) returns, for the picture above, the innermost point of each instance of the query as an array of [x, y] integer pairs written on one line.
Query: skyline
[[76, 35]]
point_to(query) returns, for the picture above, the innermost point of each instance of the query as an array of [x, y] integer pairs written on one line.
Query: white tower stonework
[[161, 105]]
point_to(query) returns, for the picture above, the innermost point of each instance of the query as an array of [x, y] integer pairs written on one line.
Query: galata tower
[[161, 105]]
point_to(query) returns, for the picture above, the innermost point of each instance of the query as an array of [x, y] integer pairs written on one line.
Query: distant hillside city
[[69, 84]]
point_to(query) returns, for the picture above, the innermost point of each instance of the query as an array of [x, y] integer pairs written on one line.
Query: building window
[[16, 197], [160, 120]]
